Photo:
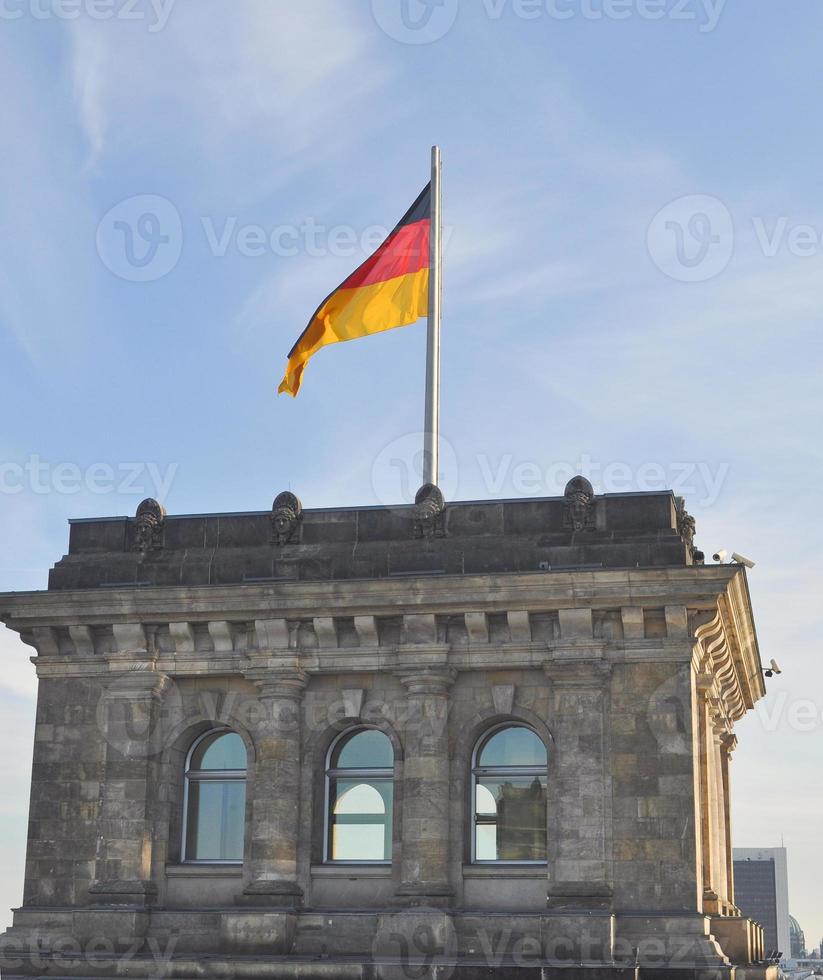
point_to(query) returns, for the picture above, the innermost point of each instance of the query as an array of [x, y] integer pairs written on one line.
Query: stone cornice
[[499, 656], [726, 651], [526, 621], [695, 586]]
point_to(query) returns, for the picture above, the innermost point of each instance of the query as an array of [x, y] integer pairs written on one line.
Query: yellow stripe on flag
[[351, 313]]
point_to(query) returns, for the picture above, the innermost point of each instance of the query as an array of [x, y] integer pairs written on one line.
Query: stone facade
[[590, 620]]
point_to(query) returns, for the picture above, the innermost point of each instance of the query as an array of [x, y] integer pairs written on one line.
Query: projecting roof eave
[[695, 587]]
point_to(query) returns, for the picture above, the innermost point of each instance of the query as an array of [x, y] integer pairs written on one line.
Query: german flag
[[390, 289]]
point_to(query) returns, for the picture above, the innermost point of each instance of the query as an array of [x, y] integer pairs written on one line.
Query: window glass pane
[[361, 820], [485, 848], [513, 747], [220, 751], [519, 827], [360, 798], [486, 803], [367, 749], [216, 820]]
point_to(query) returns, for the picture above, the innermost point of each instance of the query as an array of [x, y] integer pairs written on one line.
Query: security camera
[[743, 561], [772, 669], [721, 555]]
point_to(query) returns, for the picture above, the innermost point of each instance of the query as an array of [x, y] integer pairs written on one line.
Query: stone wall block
[[272, 634], [83, 640], [183, 636], [129, 638], [677, 623], [477, 627], [576, 624], [221, 636], [519, 626], [326, 633], [419, 628], [366, 627], [634, 623], [45, 641]]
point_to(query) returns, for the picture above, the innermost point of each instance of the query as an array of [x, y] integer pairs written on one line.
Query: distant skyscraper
[[761, 887]]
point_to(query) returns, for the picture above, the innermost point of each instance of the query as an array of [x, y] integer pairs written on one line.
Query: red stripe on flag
[[405, 251]]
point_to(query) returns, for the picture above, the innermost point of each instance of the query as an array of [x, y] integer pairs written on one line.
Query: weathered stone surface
[[628, 530], [582, 619]]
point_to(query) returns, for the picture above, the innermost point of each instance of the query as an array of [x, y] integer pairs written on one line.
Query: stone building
[[484, 739]]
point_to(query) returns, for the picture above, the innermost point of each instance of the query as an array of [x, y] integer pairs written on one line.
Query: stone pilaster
[[579, 841], [270, 866], [129, 716], [708, 753], [721, 843], [728, 743], [426, 787]]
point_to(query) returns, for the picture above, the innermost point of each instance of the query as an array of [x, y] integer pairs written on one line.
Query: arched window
[[360, 792], [215, 798], [509, 774]]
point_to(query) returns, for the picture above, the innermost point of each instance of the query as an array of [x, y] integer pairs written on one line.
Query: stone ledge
[[204, 870], [351, 871], [505, 871]]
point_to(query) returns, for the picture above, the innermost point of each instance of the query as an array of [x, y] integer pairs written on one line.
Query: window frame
[[329, 774], [210, 775], [494, 771]]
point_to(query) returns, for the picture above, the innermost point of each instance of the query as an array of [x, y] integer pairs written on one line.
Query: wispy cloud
[[255, 86], [43, 210]]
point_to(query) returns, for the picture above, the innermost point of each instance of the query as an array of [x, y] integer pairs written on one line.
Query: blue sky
[[632, 287]]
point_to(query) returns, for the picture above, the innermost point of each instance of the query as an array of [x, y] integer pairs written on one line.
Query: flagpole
[[431, 438]]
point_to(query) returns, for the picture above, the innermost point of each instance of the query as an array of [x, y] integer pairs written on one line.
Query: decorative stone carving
[[286, 514], [353, 702], [503, 698], [147, 534], [429, 510], [579, 510], [687, 527]]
